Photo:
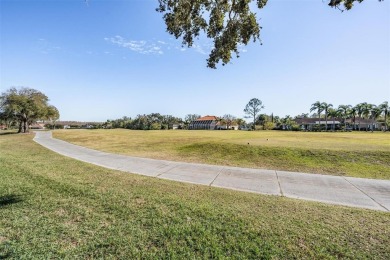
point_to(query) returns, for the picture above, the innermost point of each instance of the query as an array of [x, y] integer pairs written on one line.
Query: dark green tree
[[25, 105], [333, 113], [344, 111]]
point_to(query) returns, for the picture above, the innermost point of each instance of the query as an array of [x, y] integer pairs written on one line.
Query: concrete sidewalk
[[354, 192]]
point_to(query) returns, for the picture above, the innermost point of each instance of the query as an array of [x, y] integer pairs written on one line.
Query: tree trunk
[[345, 124], [359, 124], [20, 126], [326, 121], [25, 126], [319, 120]]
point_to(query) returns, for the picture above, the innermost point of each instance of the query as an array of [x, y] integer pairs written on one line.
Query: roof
[[206, 118]]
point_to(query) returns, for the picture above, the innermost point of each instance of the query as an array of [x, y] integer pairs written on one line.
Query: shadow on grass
[[9, 199], [5, 255], [8, 133]]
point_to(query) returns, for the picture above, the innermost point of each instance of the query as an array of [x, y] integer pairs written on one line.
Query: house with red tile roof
[[204, 123], [209, 123]]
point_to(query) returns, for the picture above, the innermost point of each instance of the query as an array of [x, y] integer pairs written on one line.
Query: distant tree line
[[322, 110], [153, 121], [23, 107]]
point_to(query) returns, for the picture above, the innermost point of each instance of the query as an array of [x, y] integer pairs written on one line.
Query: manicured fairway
[[353, 154], [55, 207]]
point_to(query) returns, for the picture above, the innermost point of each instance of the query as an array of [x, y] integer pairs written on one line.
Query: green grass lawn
[[55, 207], [353, 154]]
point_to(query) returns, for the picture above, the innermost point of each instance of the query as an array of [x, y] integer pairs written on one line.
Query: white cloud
[[45, 47], [241, 48], [159, 47], [142, 46], [200, 48]]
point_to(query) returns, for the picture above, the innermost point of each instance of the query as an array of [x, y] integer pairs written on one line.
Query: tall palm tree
[[375, 112], [359, 111], [333, 113], [326, 107], [352, 113], [367, 111], [317, 106], [343, 111], [385, 109]]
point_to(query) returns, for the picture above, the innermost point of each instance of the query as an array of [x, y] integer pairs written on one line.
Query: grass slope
[[55, 207], [354, 154]]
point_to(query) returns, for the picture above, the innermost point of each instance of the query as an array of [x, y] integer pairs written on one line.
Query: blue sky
[[109, 59]]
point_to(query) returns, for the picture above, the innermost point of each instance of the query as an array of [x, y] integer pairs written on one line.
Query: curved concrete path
[[355, 192]]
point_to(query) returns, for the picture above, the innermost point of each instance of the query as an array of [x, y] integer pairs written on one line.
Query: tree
[[26, 105], [240, 122], [191, 117], [366, 109], [52, 114], [326, 107], [375, 112], [168, 121], [344, 111], [289, 123], [352, 113], [303, 115], [229, 23], [317, 106], [333, 113], [384, 107], [228, 120], [253, 107], [261, 119], [359, 108]]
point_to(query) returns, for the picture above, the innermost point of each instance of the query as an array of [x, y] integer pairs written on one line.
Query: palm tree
[[375, 112], [352, 112], [367, 111], [343, 111], [333, 113], [317, 106], [359, 111], [326, 107], [385, 109]]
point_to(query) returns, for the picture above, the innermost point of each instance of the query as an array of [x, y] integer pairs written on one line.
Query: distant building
[[204, 123], [310, 123], [210, 123], [365, 124], [175, 126], [37, 126]]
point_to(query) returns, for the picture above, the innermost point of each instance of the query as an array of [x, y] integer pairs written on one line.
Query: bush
[[269, 126]]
